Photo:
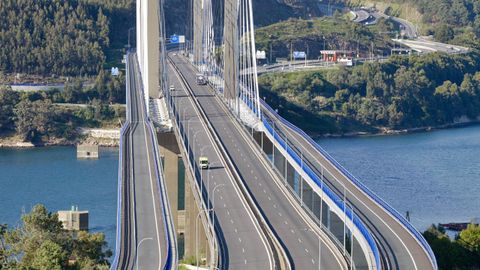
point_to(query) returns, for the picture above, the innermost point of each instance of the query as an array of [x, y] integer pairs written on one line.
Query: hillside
[[67, 38], [418, 91], [330, 33]]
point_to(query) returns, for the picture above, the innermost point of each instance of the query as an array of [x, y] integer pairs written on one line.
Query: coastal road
[[294, 228]]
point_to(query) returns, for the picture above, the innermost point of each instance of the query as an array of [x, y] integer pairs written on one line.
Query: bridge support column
[[148, 47], [198, 32], [182, 202]]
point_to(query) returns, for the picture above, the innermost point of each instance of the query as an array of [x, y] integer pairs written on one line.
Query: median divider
[[280, 257], [355, 181]]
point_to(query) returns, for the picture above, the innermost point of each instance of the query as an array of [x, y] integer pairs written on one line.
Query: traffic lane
[[301, 243], [302, 249], [286, 222], [395, 235], [150, 236], [237, 240], [148, 250], [246, 250]]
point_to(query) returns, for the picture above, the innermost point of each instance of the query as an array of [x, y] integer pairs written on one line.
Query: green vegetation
[[41, 243], [66, 38], [36, 117], [453, 21], [462, 253], [330, 33], [404, 92]]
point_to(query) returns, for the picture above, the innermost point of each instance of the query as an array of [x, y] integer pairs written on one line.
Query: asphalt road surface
[[398, 247], [144, 244], [243, 245], [294, 230]]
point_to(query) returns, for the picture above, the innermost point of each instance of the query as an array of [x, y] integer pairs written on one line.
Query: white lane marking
[[306, 250], [153, 200], [357, 189], [229, 176], [239, 239], [299, 240]]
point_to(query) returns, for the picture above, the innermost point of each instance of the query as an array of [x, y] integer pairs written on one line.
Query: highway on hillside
[[400, 250], [242, 242], [294, 228], [143, 240]]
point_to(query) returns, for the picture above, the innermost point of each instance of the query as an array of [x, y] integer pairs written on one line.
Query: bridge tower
[[151, 45]]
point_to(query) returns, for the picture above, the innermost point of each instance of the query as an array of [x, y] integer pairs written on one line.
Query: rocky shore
[[100, 137]]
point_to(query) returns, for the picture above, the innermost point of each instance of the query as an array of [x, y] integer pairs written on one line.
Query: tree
[[34, 119], [8, 99], [50, 256], [42, 244], [470, 237], [444, 33]]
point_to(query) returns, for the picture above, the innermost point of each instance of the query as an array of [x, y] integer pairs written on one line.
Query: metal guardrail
[[359, 184], [170, 264], [119, 200], [171, 261], [332, 195]]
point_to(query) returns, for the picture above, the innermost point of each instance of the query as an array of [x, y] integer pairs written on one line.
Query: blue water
[[54, 177], [434, 175]]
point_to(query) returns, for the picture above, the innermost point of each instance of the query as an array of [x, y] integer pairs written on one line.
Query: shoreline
[[100, 137], [383, 131]]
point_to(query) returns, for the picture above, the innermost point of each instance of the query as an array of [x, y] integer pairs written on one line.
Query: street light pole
[[196, 234], [129, 44]]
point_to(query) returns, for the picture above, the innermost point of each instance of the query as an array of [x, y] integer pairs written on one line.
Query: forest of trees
[[405, 92], [56, 37], [42, 243], [36, 118], [330, 33], [461, 253]]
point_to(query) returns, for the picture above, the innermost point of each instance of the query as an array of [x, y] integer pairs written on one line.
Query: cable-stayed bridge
[[271, 198]]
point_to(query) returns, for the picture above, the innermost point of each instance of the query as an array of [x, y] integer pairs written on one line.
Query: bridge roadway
[[400, 250], [143, 240], [294, 229], [242, 243]]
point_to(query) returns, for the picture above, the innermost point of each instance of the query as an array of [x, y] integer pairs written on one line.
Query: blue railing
[[358, 183], [332, 195], [169, 262], [119, 200]]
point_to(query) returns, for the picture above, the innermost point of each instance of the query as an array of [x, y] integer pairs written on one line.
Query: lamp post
[[130, 29], [208, 178], [138, 246], [196, 234]]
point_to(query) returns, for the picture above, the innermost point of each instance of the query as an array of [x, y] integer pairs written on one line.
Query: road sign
[[181, 39], [174, 39], [261, 55], [299, 55]]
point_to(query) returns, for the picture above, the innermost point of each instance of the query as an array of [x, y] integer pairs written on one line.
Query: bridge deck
[[144, 244], [242, 245], [292, 228], [399, 248]]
